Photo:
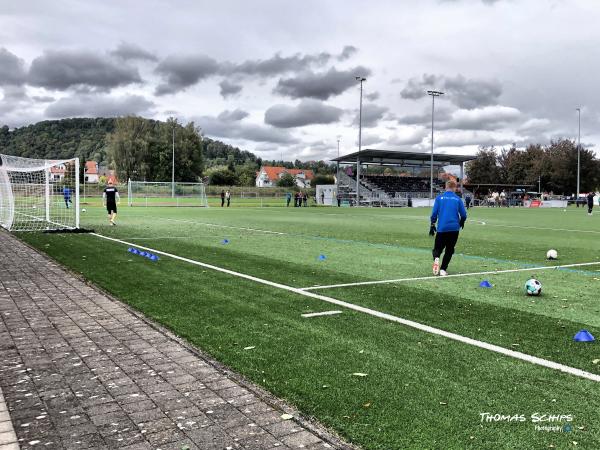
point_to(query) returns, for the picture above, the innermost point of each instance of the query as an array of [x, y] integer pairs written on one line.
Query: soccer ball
[[533, 287], [551, 254], [83, 210]]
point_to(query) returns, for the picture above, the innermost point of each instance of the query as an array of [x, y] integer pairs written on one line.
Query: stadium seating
[[402, 186]]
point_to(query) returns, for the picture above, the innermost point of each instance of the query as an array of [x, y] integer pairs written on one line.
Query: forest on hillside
[[142, 149]]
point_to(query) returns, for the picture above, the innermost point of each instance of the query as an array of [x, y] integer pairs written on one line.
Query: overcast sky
[[277, 77]]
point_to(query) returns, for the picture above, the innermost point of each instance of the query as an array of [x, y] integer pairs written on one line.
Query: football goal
[[39, 194], [154, 193]]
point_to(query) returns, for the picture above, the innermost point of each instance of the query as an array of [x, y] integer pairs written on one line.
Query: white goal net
[[155, 193], [39, 194]]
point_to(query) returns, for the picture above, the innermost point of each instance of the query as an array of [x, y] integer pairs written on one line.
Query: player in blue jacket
[[450, 214], [67, 196]]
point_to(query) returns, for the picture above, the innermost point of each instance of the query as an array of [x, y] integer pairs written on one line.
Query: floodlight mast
[[578, 151], [173, 164], [433, 94], [360, 80]]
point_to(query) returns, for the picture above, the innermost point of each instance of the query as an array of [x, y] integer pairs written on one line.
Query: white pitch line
[[431, 277], [159, 237], [419, 326], [319, 314]]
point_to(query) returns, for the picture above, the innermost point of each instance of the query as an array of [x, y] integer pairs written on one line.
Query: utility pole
[[433, 94], [578, 152], [173, 163], [360, 80]]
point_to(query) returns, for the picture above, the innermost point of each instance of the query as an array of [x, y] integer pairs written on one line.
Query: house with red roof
[[91, 172], [268, 176], [57, 172]]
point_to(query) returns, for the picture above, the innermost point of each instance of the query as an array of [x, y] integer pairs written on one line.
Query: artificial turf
[[421, 391]]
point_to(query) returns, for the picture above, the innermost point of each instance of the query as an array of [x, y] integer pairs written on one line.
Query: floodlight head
[[435, 93], [361, 79]]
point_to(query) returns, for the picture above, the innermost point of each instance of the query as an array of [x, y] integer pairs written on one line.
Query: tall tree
[[484, 169], [128, 148]]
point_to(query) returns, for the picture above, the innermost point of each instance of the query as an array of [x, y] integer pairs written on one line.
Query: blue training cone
[[135, 251], [485, 284], [584, 336], [130, 250], [322, 257], [153, 258], [225, 241]]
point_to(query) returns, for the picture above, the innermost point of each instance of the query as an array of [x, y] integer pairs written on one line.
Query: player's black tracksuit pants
[[590, 207], [445, 241]]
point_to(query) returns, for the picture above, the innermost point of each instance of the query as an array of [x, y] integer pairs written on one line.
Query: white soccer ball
[[533, 287], [551, 254], [83, 210], [34, 207]]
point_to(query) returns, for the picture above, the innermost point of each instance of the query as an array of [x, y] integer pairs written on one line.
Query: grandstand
[[389, 190]]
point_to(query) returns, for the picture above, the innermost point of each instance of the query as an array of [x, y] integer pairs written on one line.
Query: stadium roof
[[406, 159]]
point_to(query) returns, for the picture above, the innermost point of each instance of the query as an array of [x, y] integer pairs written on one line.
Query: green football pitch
[[420, 362]]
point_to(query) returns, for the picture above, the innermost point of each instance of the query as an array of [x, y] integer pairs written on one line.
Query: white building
[[268, 176]]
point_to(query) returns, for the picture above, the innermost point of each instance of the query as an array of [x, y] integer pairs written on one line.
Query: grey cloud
[[463, 92], [131, 52], [348, 52], [14, 98], [407, 136], [224, 126], [320, 85], [307, 112], [276, 65], [229, 88], [14, 93], [371, 115], [99, 106], [487, 118], [42, 98], [370, 139], [232, 116], [479, 138], [12, 69], [63, 69], [181, 72], [372, 96]]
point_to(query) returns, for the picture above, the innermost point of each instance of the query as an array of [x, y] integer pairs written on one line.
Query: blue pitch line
[[413, 249]]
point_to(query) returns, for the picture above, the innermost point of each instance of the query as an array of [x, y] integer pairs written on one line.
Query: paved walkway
[[80, 370]]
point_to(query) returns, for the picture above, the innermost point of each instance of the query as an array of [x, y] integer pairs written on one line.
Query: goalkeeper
[[450, 214], [67, 196], [110, 198]]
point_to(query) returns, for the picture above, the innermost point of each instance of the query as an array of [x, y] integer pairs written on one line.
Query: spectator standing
[[222, 198], [322, 197], [305, 199], [228, 197], [288, 198], [590, 203]]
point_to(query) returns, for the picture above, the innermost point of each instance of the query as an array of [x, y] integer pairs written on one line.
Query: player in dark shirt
[[110, 198], [590, 202]]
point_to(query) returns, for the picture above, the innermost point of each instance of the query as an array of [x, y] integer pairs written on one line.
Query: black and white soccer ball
[[533, 287]]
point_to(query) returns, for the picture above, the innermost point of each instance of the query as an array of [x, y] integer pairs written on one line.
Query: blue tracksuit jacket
[[448, 209]]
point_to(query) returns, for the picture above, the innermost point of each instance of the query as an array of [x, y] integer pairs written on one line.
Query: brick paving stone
[[80, 370]]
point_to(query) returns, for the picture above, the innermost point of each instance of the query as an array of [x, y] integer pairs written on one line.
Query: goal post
[[158, 193], [39, 194]]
